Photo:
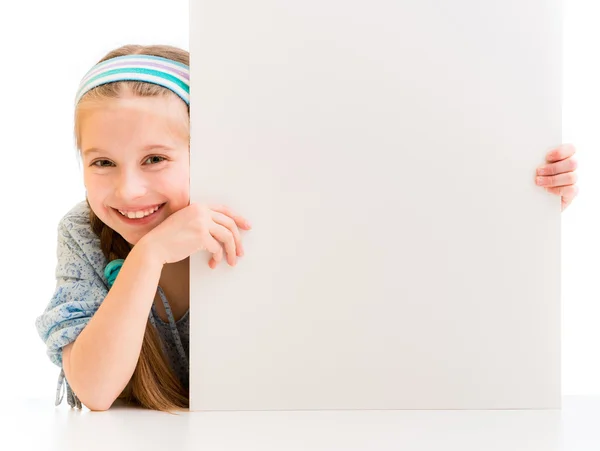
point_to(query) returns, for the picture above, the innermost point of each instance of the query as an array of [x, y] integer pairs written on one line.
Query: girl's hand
[[194, 228], [559, 177]]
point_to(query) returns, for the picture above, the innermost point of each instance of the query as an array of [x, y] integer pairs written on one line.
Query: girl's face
[[135, 154]]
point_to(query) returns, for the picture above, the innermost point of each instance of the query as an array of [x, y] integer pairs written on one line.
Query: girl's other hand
[[558, 175]]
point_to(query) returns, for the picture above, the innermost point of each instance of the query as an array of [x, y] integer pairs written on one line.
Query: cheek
[[176, 185], [99, 209], [94, 193], [96, 199]]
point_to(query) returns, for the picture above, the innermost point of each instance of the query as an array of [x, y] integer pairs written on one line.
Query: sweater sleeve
[[78, 294]]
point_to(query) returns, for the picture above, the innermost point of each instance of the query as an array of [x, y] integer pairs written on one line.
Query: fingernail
[[540, 180], [541, 171]]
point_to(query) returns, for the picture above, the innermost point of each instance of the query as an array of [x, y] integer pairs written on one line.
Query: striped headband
[[151, 69]]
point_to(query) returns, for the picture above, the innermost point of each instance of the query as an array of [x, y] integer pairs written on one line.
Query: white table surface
[[37, 424]]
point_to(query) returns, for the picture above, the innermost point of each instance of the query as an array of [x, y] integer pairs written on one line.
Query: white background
[[48, 48]]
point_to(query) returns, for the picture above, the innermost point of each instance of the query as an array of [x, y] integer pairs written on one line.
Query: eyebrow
[[92, 150]]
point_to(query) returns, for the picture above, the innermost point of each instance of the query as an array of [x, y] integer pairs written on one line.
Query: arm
[[100, 362]]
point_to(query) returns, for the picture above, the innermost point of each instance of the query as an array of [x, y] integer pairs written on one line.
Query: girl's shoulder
[[77, 240], [77, 216]]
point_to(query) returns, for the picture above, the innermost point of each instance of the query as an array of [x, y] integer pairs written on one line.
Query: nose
[[131, 184]]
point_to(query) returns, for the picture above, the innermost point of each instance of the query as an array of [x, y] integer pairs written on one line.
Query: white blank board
[[401, 255]]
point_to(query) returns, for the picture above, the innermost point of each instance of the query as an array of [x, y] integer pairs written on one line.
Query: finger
[[224, 235], [569, 178], [566, 192], [216, 257], [560, 153], [212, 263], [226, 221], [566, 201], [567, 165], [215, 248], [239, 220], [570, 194]]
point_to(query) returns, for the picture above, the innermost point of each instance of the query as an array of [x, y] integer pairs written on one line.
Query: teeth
[[139, 214]]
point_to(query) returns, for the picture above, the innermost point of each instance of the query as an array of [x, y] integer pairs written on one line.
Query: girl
[[120, 337]]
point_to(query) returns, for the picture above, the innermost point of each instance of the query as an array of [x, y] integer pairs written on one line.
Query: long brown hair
[[153, 384]]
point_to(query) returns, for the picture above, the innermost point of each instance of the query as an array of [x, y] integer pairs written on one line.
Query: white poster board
[[401, 255]]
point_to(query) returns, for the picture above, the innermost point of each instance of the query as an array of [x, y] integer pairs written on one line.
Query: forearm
[[105, 354]]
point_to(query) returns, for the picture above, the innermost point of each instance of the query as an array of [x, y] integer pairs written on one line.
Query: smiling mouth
[[137, 216]]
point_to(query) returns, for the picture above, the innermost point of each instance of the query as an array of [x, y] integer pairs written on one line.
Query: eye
[[156, 156], [99, 161]]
